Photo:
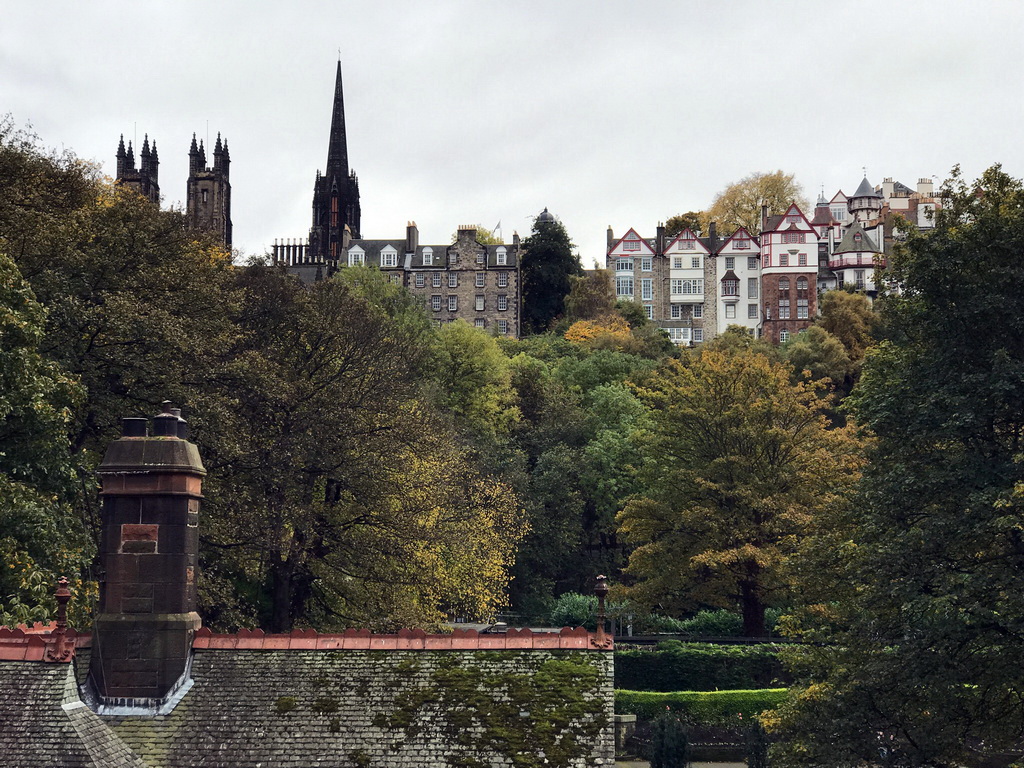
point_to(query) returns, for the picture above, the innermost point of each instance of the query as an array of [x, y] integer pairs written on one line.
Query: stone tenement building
[[696, 287], [208, 190], [463, 280], [150, 688]]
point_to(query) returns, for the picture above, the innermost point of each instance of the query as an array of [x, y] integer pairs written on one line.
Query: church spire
[[337, 152]]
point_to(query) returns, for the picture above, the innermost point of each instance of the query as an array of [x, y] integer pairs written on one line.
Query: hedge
[[703, 707], [677, 666]]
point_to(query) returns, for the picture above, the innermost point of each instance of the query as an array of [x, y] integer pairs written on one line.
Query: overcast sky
[[608, 113]]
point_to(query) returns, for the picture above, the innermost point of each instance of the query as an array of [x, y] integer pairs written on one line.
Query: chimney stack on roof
[[142, 636]]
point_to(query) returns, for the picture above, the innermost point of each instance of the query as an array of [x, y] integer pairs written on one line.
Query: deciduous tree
[[591, 296], [739, 204], [39, 540], [339, 496], [849, 317], [696, 221], [920, 664], [740, 464]]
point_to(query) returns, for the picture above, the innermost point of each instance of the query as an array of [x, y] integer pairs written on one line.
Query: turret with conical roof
[[866, 203]]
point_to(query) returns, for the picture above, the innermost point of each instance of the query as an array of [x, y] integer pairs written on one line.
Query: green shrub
[[721, 623], [574, 610], [700, 707], [679, 666], [669, 742]]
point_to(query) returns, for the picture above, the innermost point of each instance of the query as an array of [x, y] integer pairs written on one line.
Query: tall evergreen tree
[[548, 263]]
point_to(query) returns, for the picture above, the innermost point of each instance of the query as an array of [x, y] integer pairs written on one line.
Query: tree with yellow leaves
[[740, 465], [739, 204]]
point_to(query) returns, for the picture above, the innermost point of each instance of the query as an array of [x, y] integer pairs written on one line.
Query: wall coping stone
[[38, 641]]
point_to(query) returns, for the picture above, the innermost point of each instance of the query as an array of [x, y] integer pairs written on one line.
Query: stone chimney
[[412, 237], [149, 543]]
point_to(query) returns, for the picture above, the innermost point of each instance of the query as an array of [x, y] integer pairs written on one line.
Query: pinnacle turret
[[122, 158], [337, 150]]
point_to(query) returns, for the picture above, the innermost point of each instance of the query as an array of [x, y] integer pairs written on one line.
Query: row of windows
[[801, 309], [694, 286], [647, 263], [624, 286], [685, 335], [502, 325], [784, 260], [453, 279], [480, 322], [801, 283], [678, 311], [390, 259], [480, 303], [626, 265], [730, 311]]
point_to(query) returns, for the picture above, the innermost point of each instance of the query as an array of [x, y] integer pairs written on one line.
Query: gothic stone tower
[[143, 179], [335, 193], [142, 634], [208, 196]]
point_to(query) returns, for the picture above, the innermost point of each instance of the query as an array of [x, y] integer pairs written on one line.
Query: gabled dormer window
[[389, 258], [355, 257]]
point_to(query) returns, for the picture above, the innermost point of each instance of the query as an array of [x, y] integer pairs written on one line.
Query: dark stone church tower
[[208, 195], [335, 193], [143, 179]]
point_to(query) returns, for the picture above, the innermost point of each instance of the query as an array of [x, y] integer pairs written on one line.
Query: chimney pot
[[134, 427]]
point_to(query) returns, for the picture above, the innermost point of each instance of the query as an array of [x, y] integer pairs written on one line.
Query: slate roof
[[865, 190], [849, 243], [372, 249], [302, 699], [899, 189], [43, 722], [823, 216], [283, 708]]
